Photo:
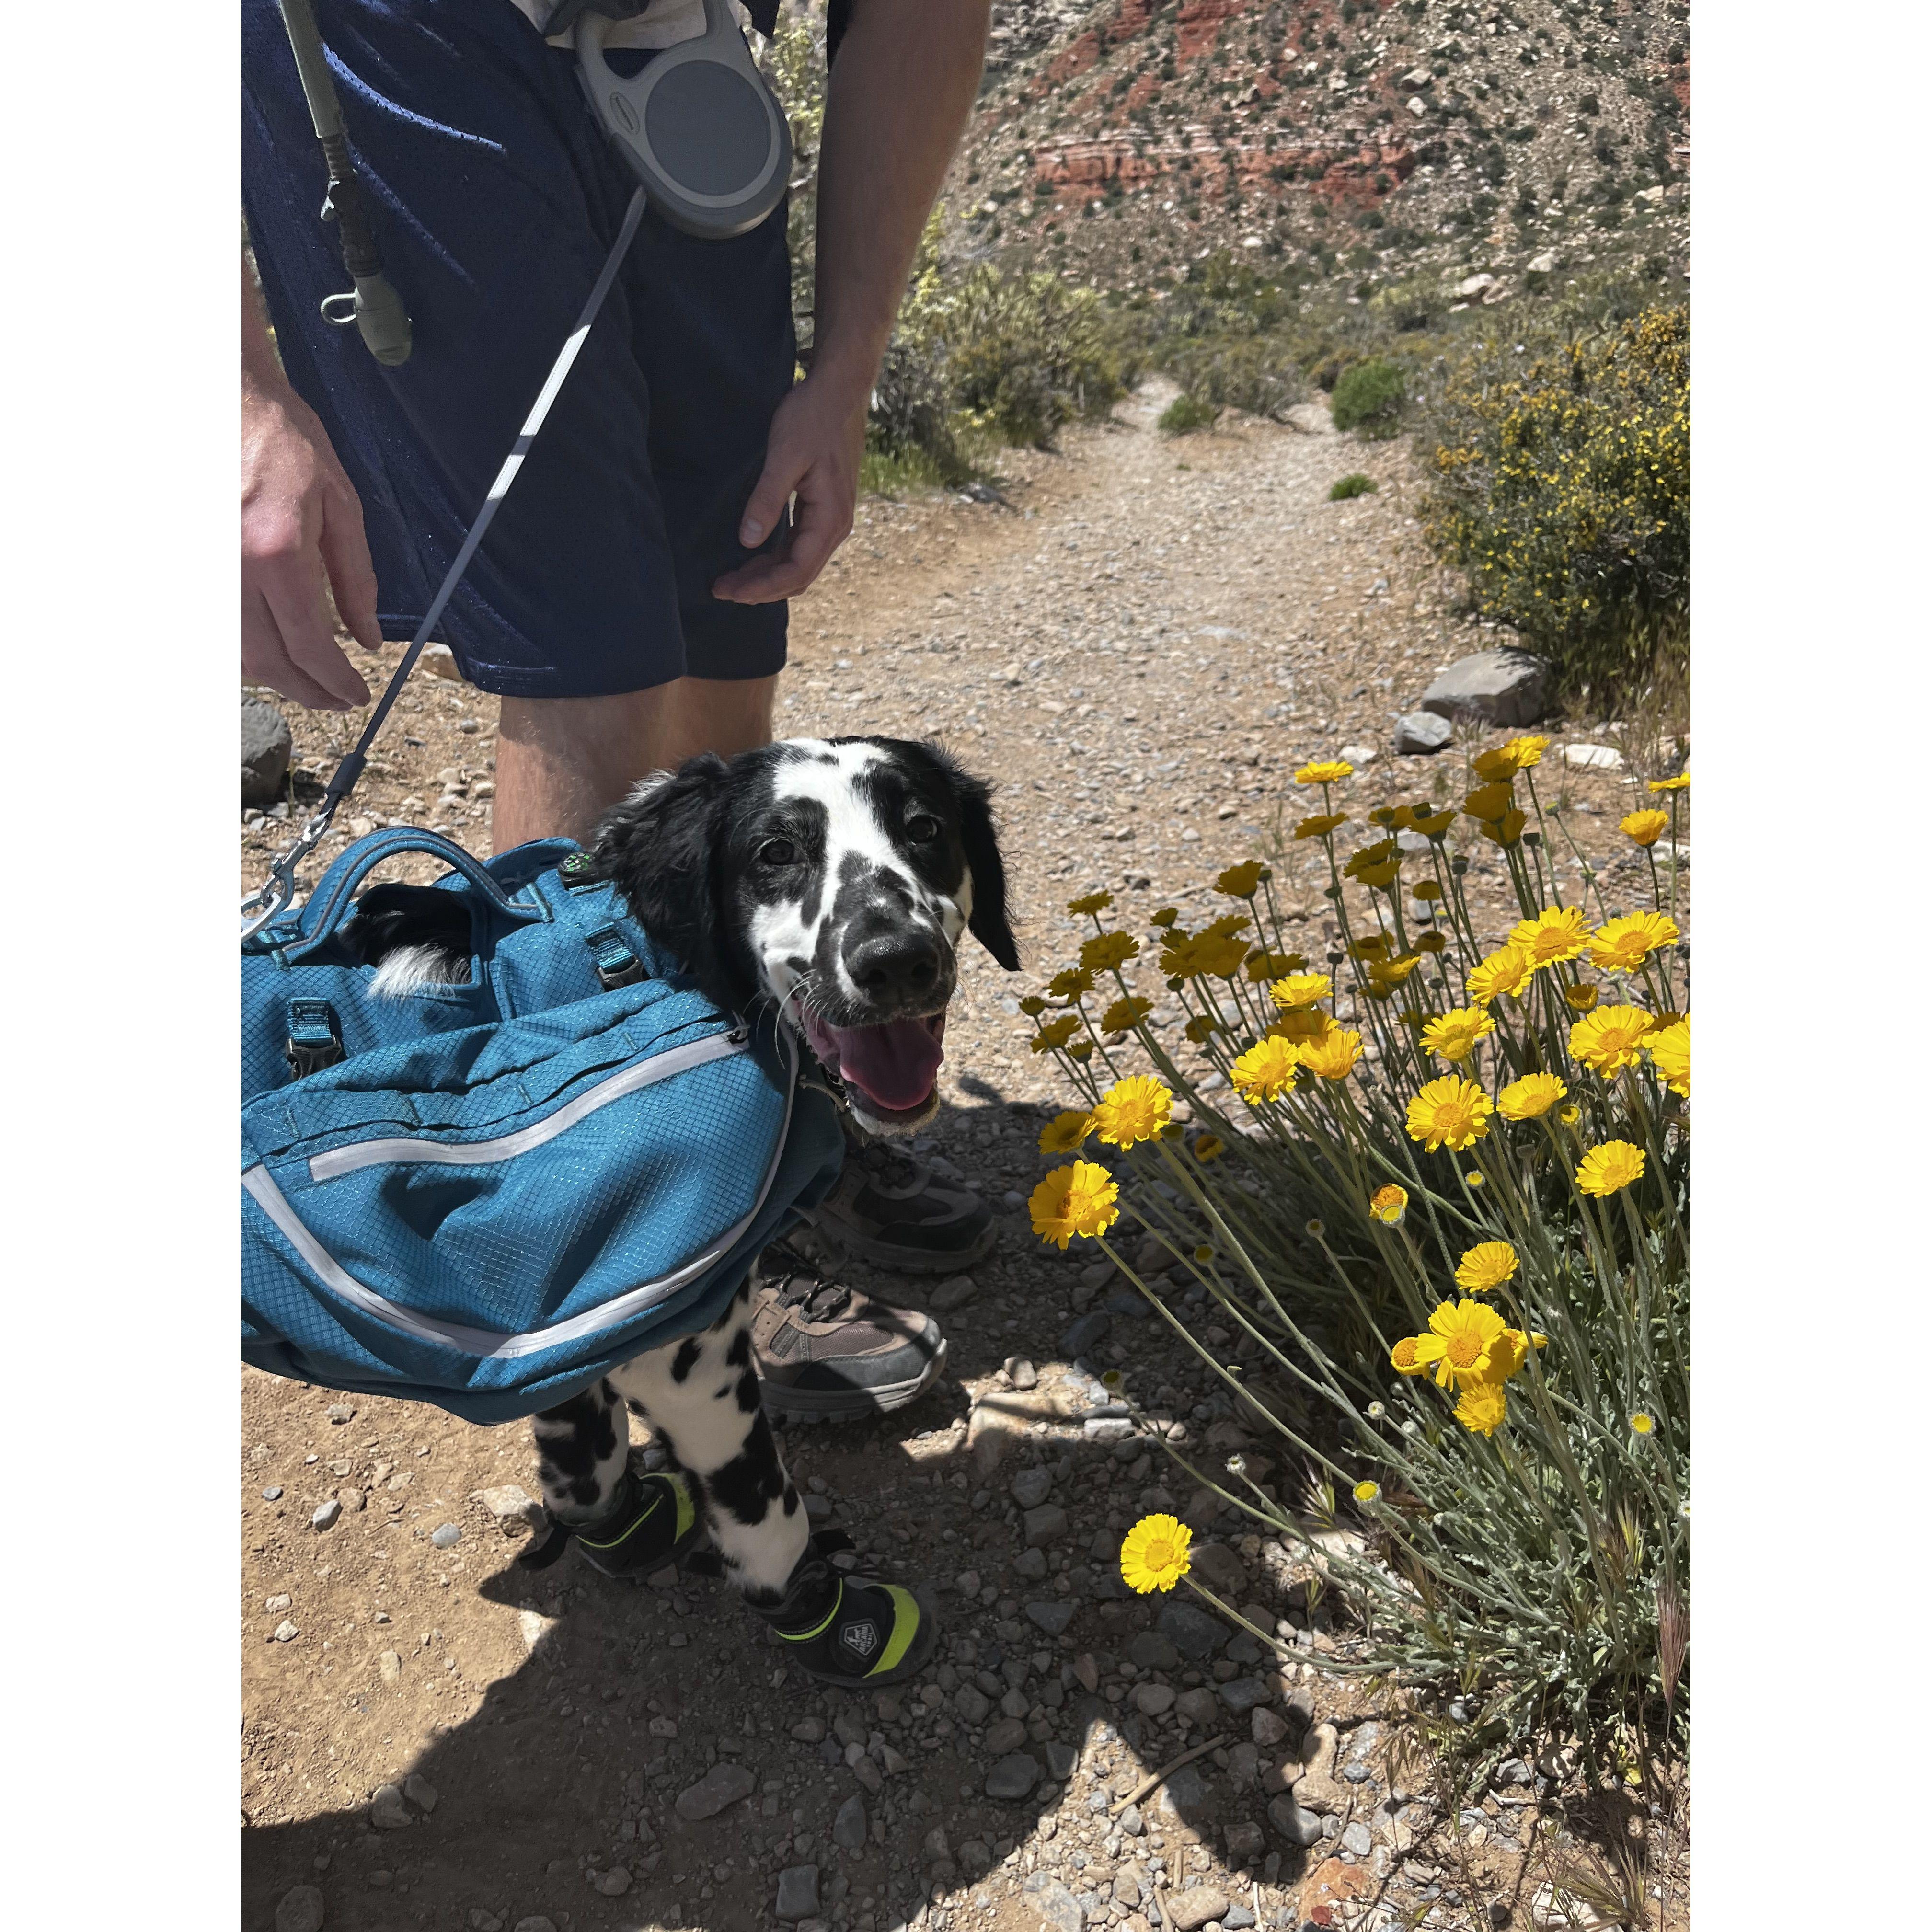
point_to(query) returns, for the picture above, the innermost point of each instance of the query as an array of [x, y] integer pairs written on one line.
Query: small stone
[[1021, 1373], [445, 1536], [798, 1892], [509, 1504], [1031, 1563], [935, 1849], [972, 1703], [1199, 1707], [1243, 1694], [273, 1493], [266, 743], [387, 1812], [1051, 1617], [614, 1882], [1265, 1728], [1505, 686], [1238, 1916], [966, 1583], [299, 1909], [1049, 1903], [285, 1632], [1360, 754], [1199, 1905], [1132, 1823], [324, 1517], [1245, 1841], [808, 1730], [1013, 1777], [1085, 1333], [1047, 1524], [1220, 1569], [1031, 1487], [1151, 1651], [1183, 1797], [390, 1666], [1357, 1839], [1419, 733], [1594, 757], [1153, 1700], [848, 1828], [340, 1412], [1297, 1826], [536, 1925], [1008, 1735], [418, 1790], [954, 1292], [1196, 1635], [724, 1784], [280, 1601], [1060, 1760], [1544, 264]]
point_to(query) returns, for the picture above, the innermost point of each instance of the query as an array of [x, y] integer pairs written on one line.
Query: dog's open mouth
[[892, 1064]]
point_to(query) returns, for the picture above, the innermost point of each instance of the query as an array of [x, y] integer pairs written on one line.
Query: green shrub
[[1353, 485], [1026, 353], [1258, 373], [1368, 397], [1184, 414], [1562, 488]]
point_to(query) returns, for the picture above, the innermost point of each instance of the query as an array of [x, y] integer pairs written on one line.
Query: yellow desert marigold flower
[[1132, 1110], [1324, 771], [1369, 858], [1483, 1408], [1530, 1098], [1320, 825], [1505, 830], [1511, 1351], [1166, 916], [1454, 1036], [1032, 1005], [1208, 1146], [1527, 751], [1381, 877], [1610, 1039], [1622, 944], [1266, 1071], [1434, 824], [1153, 1555], [1065, 1132], [1393, 972], [1302, 1026], [1677, 784], [1334, 1055], [1645, 828], [1495, 765], [1461, 1341], [1389, 1204], [1124, 1015], [1406, 1357], [1077, 1200], [1376, 946], [1205, 955], [1669, 1050], [1366, 1492], [1081, 1050], [1487, 803], [1426, 890], [1555, 934], [1580, 999], [1606, 1169], [1106, 952], [1055, 1033], [1093, 902], [1202, 1027], [1451, 1112], [1505, 971], [1239, 882], [1262, 965], [1076, 983], [1486, 1267]]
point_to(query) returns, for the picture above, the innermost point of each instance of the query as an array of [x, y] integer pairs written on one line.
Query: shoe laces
[[895, 1168], [805, 1288]]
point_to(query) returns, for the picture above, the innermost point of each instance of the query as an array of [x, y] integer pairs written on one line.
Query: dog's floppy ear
[[987, 921], [657, 848]]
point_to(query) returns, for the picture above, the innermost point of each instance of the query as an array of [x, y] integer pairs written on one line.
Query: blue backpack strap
[[315, 1037]]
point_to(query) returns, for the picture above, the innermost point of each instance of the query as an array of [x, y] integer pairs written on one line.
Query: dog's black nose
[[895, 965]]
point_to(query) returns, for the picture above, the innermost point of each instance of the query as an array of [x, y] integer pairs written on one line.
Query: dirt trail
[[1139, 646]]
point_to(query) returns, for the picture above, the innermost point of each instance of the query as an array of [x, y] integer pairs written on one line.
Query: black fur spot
[[739, 1353], [575, 1437], [747, 1486], [685, 1360], [747, 1390]]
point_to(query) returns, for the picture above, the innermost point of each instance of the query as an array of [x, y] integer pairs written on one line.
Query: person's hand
[[818, 435], [301, 527]]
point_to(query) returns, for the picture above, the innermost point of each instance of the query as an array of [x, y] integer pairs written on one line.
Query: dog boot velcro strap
[[655, 1519], [873, 1634]]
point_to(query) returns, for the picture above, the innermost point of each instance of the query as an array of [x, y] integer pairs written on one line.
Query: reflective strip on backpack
[[507, 1147]]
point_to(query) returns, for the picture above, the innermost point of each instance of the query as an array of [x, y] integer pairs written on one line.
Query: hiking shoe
[[850, 1630], [653, 1522], [895, 1212], [823, 1349]]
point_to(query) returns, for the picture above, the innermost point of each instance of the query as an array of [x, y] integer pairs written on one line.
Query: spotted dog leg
[[580, 1449], [700, 1393]]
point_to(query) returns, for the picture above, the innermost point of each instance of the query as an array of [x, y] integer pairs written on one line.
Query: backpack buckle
[[616, 964], [315, 1037]]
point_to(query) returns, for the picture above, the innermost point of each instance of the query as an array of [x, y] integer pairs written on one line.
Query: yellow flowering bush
[[1442, 1198]]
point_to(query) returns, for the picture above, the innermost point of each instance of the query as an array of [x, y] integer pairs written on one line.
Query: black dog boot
[[850, 1630], [652, 1522]]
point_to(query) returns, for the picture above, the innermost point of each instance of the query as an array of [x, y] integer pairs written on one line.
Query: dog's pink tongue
[[894, 1063]]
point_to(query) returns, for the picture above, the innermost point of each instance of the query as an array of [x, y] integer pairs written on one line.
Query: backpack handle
[[334, 895]]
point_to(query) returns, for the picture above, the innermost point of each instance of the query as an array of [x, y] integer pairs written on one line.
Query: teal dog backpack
[[485, 1196]]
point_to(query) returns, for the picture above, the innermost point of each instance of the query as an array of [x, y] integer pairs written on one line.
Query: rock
[[966, 1583], [439, 661], [1297, 1826], [798, 1892], [1594, 757], [1265, 1728], [390, 1666], [287, 1631], [418, 1790], [1244, 1766], [1127, 1887], [1332, 1883], [1244, 1694], [387, 1812], [1052, 1904], [1031, 1487], [299, 1909], [1087, 1670], [848, 1828], [508, 1503], [1317, 1787], [1183, 1797], [265, 748], [1196, 1635], [1199, 1905], [1153, 1700], [972, 1703], [1544, 264], [808, 1730], [326, 1517], [1417, 733], [273, 1493], [954, 1292], [1060, 1760], [1220, 1569], [1132, 1823], [1505, 686], [1238, 1916], [1051, 1617], [1047, 1524], [936, 1850], [1471, 287], [1008, 1735], [445, 1536], [1013, 1777], [1359, 755], [1151, 1651], [724, 1784], [1199, 1707], [1031, 1563], [1357, 1839], [1021, 1373], [1417, 79], [1552, 1910], [536, 1925], [1245, 1841], [1085, 1332]]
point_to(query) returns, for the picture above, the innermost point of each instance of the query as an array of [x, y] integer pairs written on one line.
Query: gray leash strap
[[277, 892]]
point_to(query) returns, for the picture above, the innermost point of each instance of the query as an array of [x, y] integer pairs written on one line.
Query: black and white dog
[[833, 878]]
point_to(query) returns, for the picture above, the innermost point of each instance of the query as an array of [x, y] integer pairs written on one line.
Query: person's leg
[[562, 762]]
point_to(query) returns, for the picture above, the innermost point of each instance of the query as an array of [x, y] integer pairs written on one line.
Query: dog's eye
[[921, 829], [778, 852]]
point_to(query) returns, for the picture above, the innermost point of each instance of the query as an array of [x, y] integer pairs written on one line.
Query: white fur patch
[[410, 968]]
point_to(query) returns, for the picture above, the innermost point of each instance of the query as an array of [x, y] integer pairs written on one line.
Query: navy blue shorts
[[495, 198]]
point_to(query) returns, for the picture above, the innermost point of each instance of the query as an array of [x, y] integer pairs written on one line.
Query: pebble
[[1047, 1524], [1153, 1700], [1061, 1759], [1013, 1777], [286, 1632], [848, 1828], [1049, 1903], [1021, 1373], [326, 1517], [1051, 1617], [1297, 1826], [1420, 733], [614, 1882], [724, 1784], [1357, 1839], [1195, 1633], [272, 1494], [389, 1667], [808, 1730], [1237, 1916], [280, 1601], [1243, 1694], [445, 1536], [299, 1909], [1085, 1332], [508, 1503], [954, 1292], [418, 1790], [533, 1925], [1199, 1707], [387, 1811], [1199, 1905], [1265, 1728], [1031, 1487], [798, 1892]]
